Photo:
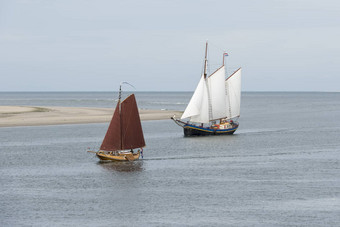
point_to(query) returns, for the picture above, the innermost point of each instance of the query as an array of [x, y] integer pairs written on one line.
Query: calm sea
[[146, 100], [280, 168]]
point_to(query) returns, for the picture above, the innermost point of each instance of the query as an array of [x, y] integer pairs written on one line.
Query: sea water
[[280, 168], [145, 100]]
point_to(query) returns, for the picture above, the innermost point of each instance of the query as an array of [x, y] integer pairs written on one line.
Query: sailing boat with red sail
[[124, 134]]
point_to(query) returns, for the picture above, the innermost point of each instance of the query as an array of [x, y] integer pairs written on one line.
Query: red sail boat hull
[[126, 156]]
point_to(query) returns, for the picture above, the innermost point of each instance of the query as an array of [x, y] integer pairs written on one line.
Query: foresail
[[112, 140], [132, 132], [198, 107], [233, 91], [217, 94]]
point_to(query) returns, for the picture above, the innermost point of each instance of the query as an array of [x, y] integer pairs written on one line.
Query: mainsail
[[217, 94], [233, 88], [125, 130], [132, 133]]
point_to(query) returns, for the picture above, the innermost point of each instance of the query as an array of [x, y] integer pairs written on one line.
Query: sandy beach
[[41, 115]]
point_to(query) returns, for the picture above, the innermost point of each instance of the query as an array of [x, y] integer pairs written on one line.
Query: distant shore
[[40, 115]]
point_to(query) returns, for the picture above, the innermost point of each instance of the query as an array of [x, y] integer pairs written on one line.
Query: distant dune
[[41, 115]]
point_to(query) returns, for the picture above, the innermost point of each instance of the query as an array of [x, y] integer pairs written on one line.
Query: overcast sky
[[158, 45]]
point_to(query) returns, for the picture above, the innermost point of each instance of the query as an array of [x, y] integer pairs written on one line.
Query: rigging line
[[178, 123], [208, 64], [202, 69], [228, 91], [120, 88], [124, 82]]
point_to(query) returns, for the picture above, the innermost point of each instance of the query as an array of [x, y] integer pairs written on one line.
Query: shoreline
[[12, 116]]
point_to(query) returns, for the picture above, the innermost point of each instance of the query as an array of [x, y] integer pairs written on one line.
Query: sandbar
[[52, 115]]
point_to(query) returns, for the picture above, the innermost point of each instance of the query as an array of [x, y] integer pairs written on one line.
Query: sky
[[158, 45]]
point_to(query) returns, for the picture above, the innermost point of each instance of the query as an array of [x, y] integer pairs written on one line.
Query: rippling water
[[281, 168], [146, 100]]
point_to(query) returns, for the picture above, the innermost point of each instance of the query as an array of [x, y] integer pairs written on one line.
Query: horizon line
[[167, 91]]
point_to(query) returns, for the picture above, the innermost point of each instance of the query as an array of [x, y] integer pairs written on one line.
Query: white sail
[[233, 91], [217, 94], [198, 107]]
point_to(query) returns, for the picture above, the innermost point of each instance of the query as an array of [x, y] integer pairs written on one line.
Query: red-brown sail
[[132, 132], [113, 140]]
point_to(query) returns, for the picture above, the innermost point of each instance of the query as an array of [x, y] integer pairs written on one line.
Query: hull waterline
[[122, 157], [192, 130]]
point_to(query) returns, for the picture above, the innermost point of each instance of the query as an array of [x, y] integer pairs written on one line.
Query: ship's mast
[[120, 92], [120, 109], [206, 60], [223, 57], [205, 78], [120, 117]]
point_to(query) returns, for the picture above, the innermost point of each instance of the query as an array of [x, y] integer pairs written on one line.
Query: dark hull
[[192, 130]]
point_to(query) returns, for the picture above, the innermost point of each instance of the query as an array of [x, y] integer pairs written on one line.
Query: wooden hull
[[119, 157], [193, 130]]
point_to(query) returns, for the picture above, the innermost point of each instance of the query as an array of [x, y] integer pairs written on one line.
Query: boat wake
[[253, 131]]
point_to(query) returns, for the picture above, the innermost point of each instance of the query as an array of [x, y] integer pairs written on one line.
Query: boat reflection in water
[[135, 166]]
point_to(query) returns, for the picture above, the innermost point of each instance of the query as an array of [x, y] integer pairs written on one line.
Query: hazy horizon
[[130, 91]]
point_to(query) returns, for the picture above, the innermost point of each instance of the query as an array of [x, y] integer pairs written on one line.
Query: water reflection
[[135, 166]]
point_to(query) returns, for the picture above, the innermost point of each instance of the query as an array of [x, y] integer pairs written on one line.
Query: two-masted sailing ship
[[124, 134], [214, 108]]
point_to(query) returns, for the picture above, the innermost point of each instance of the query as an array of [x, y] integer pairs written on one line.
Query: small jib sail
[[215, 97], [125, 129]]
